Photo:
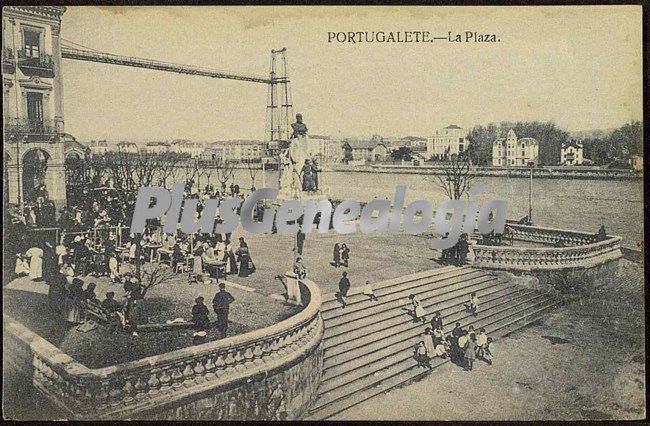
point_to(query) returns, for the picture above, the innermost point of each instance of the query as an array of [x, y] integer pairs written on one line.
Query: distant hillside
[[591, 134]]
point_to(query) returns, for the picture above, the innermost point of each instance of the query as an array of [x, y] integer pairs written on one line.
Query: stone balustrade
[[549, 236], [159, 386], [581, 250]]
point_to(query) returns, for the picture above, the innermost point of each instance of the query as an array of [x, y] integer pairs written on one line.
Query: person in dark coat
[[89, 293], [50, 263], [200, 314], [436, 321], [113, 310], [177, 255], [344, 287], [246, 266], [345, 254], [57, 292], [336, 255], [221, 305], [75, 311]]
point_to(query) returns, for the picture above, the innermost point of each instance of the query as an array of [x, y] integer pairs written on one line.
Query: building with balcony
[[511, 151], [32, 102], [571, 153], [447, 141]]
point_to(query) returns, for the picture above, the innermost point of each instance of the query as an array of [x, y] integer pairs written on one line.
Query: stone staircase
[[368, 346]]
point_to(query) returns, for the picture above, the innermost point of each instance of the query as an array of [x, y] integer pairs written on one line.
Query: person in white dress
[[35, 255], [418, 310], [60, 251]]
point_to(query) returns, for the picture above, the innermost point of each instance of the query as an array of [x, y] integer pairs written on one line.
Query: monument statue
[[298, 166], [299, 128]]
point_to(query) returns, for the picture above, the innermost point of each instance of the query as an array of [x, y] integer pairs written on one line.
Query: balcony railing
[[19, 128], [42, 66], [8, 64]]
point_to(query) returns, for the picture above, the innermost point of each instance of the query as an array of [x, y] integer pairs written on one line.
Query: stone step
[[407, 370], [400, 299], [387, 294], [447, 308], [332, 379], [354, 295], [430, 302], [372, 352]]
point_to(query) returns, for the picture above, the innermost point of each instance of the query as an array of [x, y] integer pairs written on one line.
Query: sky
[[580, 67]]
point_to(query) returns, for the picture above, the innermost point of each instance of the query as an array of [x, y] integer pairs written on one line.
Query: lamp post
[[531, 164]]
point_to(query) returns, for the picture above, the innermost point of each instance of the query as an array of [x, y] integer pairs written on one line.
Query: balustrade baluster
[[177, 376], [114, 394], [140, 388], [165, 380], [153, 382], [188, 374], [128, 391], [230, 362], [101, 399], [199, 370]]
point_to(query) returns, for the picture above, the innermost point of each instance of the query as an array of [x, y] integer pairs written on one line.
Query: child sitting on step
[[473, 304]]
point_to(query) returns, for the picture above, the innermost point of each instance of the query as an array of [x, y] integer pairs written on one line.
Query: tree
[[480, 140], [225, 170], [616, 147], [167, 166], [152, 275], [455, 179], [403, 153], [253, 169]]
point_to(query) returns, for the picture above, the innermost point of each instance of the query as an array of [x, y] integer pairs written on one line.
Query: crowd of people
[[93, 241]]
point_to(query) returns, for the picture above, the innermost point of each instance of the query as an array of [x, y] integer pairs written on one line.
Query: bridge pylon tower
[[279, 108]]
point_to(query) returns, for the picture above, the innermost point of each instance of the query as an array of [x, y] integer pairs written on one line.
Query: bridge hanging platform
[[109, 58]]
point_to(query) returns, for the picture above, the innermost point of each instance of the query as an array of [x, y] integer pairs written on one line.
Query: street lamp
[[531, 164]]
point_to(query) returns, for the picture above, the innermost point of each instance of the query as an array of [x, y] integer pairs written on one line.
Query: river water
[[581, 205]]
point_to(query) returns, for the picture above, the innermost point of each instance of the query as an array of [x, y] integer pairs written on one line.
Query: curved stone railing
[[159, 386], [549, 236], [582, 250]]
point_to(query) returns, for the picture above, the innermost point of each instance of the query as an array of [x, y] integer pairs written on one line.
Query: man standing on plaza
[[221, 305], [344, 287]]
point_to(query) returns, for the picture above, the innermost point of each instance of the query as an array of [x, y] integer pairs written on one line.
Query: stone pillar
[[58, 78], [293, 289]]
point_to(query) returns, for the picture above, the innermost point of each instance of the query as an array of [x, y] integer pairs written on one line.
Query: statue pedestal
[[293, 289]]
